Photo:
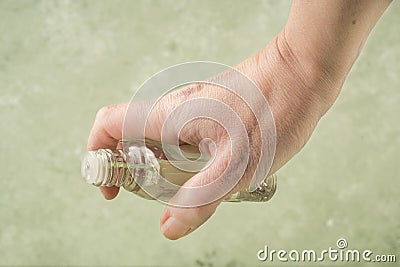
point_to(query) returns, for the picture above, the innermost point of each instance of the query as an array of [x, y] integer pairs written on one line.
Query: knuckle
[[103, 112]]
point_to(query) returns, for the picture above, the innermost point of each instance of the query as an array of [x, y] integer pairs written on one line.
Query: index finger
[[105, 133], [107, 127]]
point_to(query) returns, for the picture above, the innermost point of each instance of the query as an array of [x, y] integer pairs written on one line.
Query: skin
[[300, 73]]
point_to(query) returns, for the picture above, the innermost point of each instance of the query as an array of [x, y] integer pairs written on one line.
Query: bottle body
[[147, 167]]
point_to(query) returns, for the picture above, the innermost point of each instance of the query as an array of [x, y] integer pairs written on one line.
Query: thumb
[[176, 222], [184, 213]]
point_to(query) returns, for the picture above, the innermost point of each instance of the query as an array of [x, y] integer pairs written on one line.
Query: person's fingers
[[209, 187], [105, 133], [109, 192], [177, 222], [107, 127]]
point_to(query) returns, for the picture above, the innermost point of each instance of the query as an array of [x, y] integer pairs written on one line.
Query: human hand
[[299, 86], [295, 117]]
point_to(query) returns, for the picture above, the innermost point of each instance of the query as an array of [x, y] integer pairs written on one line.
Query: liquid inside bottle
[[147, 165]]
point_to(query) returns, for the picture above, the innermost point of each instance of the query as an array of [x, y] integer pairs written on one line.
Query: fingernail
[[173, 229]]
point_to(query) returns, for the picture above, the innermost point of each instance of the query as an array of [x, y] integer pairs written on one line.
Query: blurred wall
[[60, 61]]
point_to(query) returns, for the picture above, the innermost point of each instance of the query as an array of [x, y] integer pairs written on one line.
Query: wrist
[[296, 79], [297, 93]]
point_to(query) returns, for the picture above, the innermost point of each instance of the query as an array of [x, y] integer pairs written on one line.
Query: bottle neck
[[105, 167]]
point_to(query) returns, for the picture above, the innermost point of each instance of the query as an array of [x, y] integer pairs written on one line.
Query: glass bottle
[[105, 167]]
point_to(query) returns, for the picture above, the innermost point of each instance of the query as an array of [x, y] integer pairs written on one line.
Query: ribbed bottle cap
[[90, 167]]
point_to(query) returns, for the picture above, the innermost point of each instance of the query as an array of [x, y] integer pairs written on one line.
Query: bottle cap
[[91, 168]]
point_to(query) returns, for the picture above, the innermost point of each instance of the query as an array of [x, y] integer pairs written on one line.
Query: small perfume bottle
[[148, 164]]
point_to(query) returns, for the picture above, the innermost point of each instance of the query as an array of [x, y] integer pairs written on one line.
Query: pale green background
[[61, 61]]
